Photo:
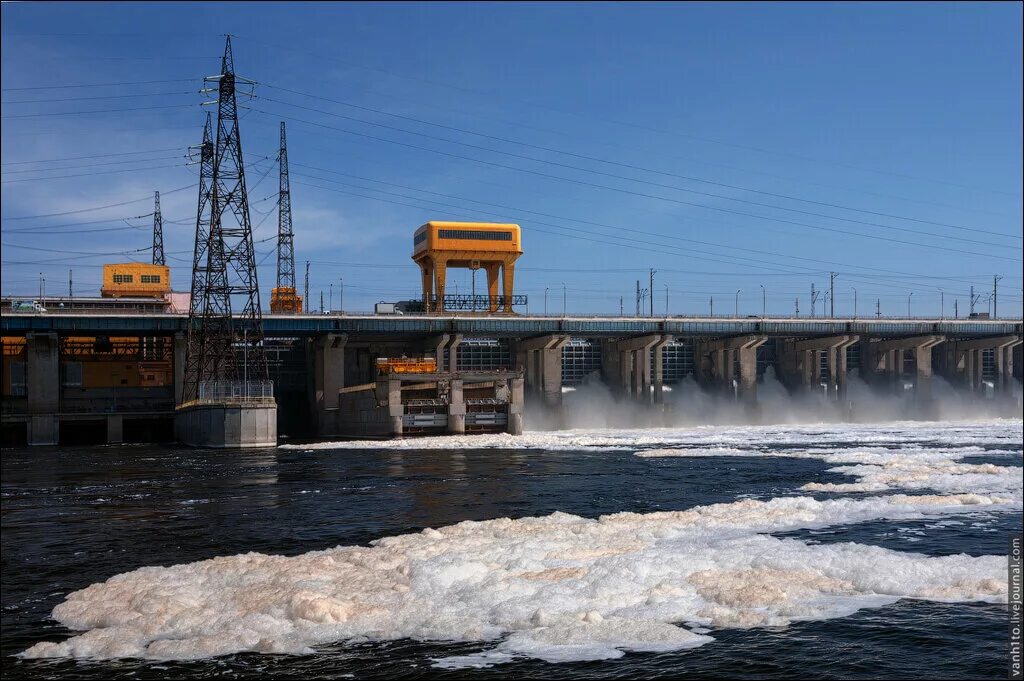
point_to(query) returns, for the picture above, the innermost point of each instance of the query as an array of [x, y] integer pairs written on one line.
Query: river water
[[853, 551]]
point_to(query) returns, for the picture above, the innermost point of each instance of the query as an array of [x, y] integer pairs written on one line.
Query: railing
[[474, 303], [255, 393]]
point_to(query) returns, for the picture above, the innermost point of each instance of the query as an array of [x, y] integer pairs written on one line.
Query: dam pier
[[93, 375]]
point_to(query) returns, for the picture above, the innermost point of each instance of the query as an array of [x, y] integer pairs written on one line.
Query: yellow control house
[[136, 280], [436, 246]]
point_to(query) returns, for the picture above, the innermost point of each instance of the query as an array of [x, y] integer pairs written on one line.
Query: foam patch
[[555, 588]]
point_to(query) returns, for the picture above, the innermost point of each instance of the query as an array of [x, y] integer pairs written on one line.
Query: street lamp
[[545, 301], [764, 300], [737, 312], [666, 300], [563, 298], [942, 304], [854, 302], [341, 295], [908, 304]]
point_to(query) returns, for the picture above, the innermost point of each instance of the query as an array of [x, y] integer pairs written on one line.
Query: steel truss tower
[[285, 238], [158, 233], [223, 348]]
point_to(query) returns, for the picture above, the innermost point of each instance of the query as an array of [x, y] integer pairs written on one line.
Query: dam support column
[[42, 387], [658, 378], [396, 410], [453, 352], [923, 362], [718, 359], [115, 429], [328, 379], [962, 362], [456, 408], [803, 358], [841, 377], [540, 359], [883, 362], [1005, 366], [515, 406], [180, 350], [437, 345], [627, 365]]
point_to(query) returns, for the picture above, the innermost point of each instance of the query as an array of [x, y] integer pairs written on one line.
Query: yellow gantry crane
[[493, 247]]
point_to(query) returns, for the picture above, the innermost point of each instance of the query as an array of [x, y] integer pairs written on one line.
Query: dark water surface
[[73, 517]]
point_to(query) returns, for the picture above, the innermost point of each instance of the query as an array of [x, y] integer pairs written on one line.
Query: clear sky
[[729, 146]]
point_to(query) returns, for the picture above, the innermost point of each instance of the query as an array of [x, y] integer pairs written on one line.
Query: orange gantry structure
[[493, 247]]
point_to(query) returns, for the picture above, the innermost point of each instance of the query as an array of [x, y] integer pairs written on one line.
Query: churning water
[[839, 550]]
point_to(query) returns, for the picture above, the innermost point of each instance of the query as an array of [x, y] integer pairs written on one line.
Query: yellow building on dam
[[493, 247]]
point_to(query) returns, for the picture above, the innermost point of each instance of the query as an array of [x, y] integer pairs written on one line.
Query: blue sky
[[728, 146]]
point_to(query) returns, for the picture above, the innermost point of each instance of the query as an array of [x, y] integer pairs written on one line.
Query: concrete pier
[[962, 361], [226, 426], [799, 362], [328, 377], [729, 365], [883, 361], [540, 359], [115, 429], [42, 381], [626, 365]]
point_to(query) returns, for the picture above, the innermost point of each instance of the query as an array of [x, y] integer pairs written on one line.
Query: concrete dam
[[89, 377]]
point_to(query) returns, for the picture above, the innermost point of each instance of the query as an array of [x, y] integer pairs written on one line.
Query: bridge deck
[[515, 326]]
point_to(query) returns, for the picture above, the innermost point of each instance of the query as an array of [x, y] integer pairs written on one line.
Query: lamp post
[[563, 298], [330, 297], [764, 301], [908, 304], [545, 301], [737, 312], [666, 300], [942, 304], [854, 302], [341, 295]]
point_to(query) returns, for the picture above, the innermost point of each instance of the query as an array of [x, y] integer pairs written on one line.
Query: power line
[[520, 103], [41, 230], [559, 217], [630, 192], [630, 242], [85, 253], [104, 172], [89, 165], [79, 158], [608, 162], [61, 87], [82, 99], [94, 208], [92, 111]]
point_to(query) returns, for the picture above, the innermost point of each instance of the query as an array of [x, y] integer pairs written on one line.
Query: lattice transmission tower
[[224, 349], [284, 297], [158, 233]]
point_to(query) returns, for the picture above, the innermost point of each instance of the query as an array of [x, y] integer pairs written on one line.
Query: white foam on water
[[756, 438], [888, 461], [555, 588], [562, 587]]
